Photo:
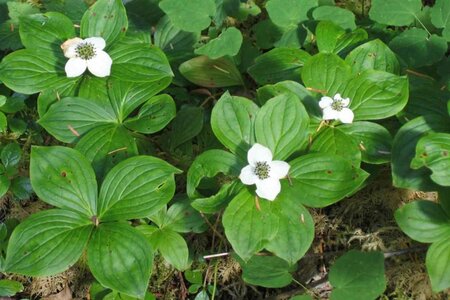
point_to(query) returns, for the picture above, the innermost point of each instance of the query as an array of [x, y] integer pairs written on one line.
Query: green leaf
[[10, 287], [332, 140], [64, 178], [9, 39], [227, 43], [131, 253], [125, 97], [375, 141], [266, 271], [106, 145], [46, 32], [4, 183], [438, 264], [174, 41], [3, 123], [21, 188], [278, 64], [373, 55], [232, 121], [136, 188], [106, 19], [376, 94], [10, 156], [296, 13], [154, 115], [423, 221], [72, 117], [192, 16], [358, 275], [395, 12], [323, 179], [139, 63], [440, 17], [182, 217], [172, 247], [266, 34], [28, 72], [218, 201], [332, 38], [16, 10], [432, 151], [47, 243], [187, 124], [404, 149], [74, 9], [340, 16], [209, 164], [248, 228], [327, 73], [206, 72], [282, 125], [296, 227], [417, 48]]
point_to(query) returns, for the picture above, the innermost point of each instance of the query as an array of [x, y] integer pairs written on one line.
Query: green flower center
[[85, 51], [337, 105], [262, 169]]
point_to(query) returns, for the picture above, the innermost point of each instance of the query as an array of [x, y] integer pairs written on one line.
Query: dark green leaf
[[227, 43], [131, 253], [47, 243], [192, 15], [232, 121], [438, 264], [64, 178], [106, 19], [187, 124], [266, 271], [278, 64], [136, 188]]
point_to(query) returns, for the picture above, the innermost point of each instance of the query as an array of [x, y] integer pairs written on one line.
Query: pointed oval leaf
[[282, 125], [296, 227], [28, 72], [375, 141], [373, 55], [432, 152], [107, 145], [47, 243], [120, 258], [232, 121], [438, 264], [187, 124], [323, 179], [154, 115], [10, 287], [172, 247], [377, 95], [423, 221], [46, 32], [440, 17], [206, 72], [64, 178], [136, 188], [72, 117], [326, 73], [340, 16], [249, 228], [106, 19], [278, 64], [140, 63], [266, 271], [286, 13]]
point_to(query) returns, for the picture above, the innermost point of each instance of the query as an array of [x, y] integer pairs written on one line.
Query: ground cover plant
[[224, 149]]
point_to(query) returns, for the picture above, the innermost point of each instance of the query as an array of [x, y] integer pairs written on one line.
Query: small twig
[[216, 255], [419, 74], [117, 150], [316, 90]]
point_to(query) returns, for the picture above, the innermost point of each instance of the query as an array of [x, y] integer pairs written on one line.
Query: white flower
[[336, 109], [87, 53], [264, 172]]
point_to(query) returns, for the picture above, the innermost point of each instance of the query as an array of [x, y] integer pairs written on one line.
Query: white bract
[[86, 54], [264, 172], [336, 108]]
